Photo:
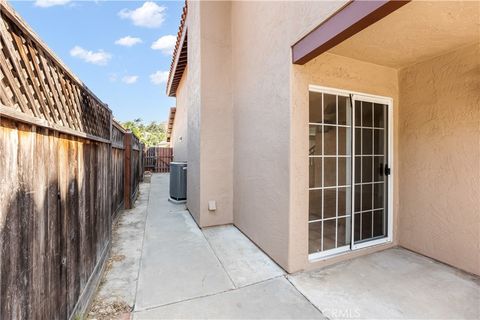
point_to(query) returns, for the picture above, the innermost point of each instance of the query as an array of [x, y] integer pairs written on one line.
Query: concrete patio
[[176, 270]]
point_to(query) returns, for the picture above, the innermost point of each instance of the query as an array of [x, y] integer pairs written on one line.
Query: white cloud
[[128, 41], [159, 77], [112, 77], [50, 3], [149, 15], [130, 79], [165, 44], [100, 57]]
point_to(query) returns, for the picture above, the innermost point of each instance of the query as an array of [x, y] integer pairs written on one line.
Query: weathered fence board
[[137, 169], [55, 213], [157, 159], [118, 178], [133, 164], [118, 167]]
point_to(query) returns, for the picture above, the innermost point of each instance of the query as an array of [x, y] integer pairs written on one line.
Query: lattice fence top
[[34, 82]]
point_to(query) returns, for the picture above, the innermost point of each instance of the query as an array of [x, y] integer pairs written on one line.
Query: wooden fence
[[63, 174], [157, 159], [118, 167], [127, 167], [133, 167]]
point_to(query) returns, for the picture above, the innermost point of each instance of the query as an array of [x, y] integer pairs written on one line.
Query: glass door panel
[[330, 172], [371, 159], [347, 161]]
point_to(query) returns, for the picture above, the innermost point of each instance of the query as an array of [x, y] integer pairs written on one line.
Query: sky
[[121, 50]]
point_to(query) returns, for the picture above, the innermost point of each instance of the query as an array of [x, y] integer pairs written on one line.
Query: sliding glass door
[[348, 195]]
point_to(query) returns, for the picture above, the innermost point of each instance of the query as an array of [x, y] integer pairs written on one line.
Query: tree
[[151, 134]]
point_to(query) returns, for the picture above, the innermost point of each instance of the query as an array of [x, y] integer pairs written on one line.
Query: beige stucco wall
[[216, 114], [193, 87], [440, 158], [262, 33], [261, 125], [209, 113], [179, 138]]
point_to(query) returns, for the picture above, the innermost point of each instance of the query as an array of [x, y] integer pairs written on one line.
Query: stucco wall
[[207, 95], [440, 158], [342, 73], [193, 87], [179, 138], [216, 114], [262, 33]]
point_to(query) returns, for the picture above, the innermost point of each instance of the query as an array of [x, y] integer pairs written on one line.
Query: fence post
[[110, 177], [128, 171], [141, 165]]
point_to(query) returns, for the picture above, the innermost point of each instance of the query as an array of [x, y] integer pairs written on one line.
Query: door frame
[[389, 238]]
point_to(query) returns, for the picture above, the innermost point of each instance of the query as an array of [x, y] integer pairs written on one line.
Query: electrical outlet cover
[[212, 205]]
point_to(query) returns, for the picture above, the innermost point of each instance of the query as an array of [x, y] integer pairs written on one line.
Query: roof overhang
[[419, 31], [179, 58], [171, 120], [349, 20]]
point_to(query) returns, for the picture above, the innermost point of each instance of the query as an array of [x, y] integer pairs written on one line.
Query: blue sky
[[120, 49]]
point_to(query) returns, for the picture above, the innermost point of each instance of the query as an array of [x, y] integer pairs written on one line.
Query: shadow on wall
[[55, 227]]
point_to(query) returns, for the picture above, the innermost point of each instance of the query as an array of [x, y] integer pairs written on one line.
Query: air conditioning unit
[[178, 182]]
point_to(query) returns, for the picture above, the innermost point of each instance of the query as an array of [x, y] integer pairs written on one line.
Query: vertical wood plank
[[40, 224], [54, 259], [26, 211], [96, 201], [9, 308], [128, 170], [63, 175], [83, 268], [88, 171], [72, 227]]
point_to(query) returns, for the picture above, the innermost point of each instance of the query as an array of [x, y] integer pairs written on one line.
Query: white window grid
[[361, 184], [351, 171], [335, 187]]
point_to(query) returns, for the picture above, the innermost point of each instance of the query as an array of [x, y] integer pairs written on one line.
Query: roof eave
[[178, 66], [352, 18], [171, 120]]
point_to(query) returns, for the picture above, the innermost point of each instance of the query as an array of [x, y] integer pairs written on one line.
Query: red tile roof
[[179, 57]]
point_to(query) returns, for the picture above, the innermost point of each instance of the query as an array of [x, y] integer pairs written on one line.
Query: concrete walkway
[[217, 273], [163, 266], [116, 294]]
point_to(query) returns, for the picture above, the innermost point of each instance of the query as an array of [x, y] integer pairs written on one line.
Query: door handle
[[387, 170]]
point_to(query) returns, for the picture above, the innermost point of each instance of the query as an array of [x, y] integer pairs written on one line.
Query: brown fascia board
[[346, 22], [171, 119]]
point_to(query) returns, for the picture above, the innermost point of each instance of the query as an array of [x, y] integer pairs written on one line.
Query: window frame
[[365, 97]]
